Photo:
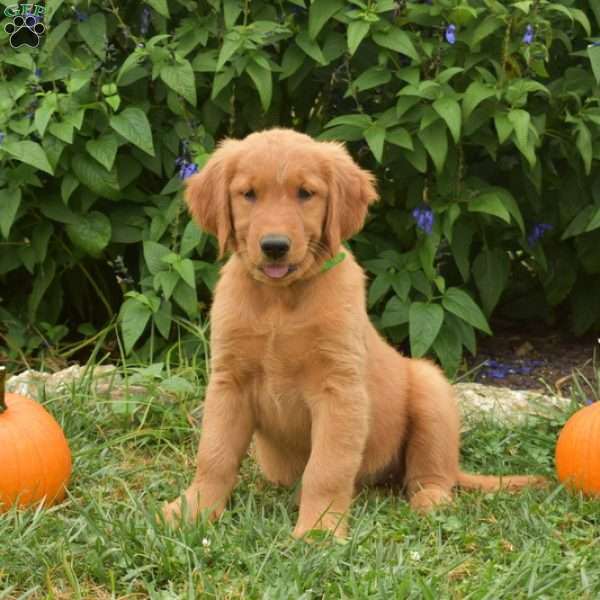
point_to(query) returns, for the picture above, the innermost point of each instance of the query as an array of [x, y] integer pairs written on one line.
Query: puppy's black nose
[[275, 246]]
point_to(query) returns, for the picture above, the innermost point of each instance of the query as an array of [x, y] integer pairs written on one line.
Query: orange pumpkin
[[35, 460], [578, 451]]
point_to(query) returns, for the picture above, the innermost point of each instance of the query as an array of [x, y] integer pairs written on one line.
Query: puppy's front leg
[[227, 428], [339, 432]]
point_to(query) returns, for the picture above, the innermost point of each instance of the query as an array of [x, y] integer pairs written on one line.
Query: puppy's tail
[[489, 483]]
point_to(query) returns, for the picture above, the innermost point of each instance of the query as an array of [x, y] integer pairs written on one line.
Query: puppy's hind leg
[[433, 437]]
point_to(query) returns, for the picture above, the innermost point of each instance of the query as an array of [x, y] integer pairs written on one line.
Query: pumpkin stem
[[2, 379]]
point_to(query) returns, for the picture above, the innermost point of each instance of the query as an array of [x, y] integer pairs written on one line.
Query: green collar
[[332, 262]]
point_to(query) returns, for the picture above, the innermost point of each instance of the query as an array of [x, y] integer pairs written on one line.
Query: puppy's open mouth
[[278, 271]]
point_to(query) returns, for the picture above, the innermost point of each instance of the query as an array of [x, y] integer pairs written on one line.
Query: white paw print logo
[[25, 31]]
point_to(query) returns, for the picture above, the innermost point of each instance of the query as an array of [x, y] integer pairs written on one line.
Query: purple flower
[[529, 34], [497, 373], [38, 73], [423, 215], [145, 20], [450, 33], [81, 16], [588, 401], [2, 136], [537, 232], [186, 168]]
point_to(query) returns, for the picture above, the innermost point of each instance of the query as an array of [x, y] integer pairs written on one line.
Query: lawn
[[131, 454]]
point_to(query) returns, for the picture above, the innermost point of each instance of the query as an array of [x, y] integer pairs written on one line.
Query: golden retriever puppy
[[296, 364]]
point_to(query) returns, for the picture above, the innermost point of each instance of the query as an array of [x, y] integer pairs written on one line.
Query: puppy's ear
[[351, 191], [207, 195]]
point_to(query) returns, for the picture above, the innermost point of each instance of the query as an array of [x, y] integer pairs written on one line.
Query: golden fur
[[296, 364]]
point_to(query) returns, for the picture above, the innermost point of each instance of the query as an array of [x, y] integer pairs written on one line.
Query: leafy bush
[[481, 119]]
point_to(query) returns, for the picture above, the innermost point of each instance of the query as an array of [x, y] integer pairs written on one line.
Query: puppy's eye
[[304, 194], [250, 195]]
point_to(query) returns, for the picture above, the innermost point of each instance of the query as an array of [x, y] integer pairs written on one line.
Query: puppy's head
[[281, 200]]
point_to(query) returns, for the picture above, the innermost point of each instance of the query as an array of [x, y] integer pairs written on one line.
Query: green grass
[[105, 541]]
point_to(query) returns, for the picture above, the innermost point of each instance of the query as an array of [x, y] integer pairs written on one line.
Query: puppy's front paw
[[338, 529], [429, 498], [185, 507], [172, 512]]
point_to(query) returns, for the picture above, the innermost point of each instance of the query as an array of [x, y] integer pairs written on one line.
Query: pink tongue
[[276, 271]]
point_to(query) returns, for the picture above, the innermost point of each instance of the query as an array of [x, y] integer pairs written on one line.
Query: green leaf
[[220, 81], [584, 145], [395, 313], [160, 6], [462, 236], [593, 53], [310, 47], [40, 238], [490, 203], [93, 33], [44, 112], [520, 120], [95, 177], [399, 137], [231, 11], [474, 95], [594, 222], [293, 59], [375, 137], [41, 283], [319, 13], [54, 209], [104, 150], [401, 285], [134, 318], [163, 318], [263, 82], [185, 297], [378, 288], [231, 44], [463, 331], [180, 78], [459, 303], [30, 153], [513, 208], [448, 347], [449, 110], [153, 255], [63, 131], [357, 30], [373, 77], [167, 280], [425, 321], [361, 121], [134, 126], [91, 233], [490, 271], [129, 64], [435, 140], [185, 269], [503, 126], [397, 40], [191, 238], [10, 200]]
